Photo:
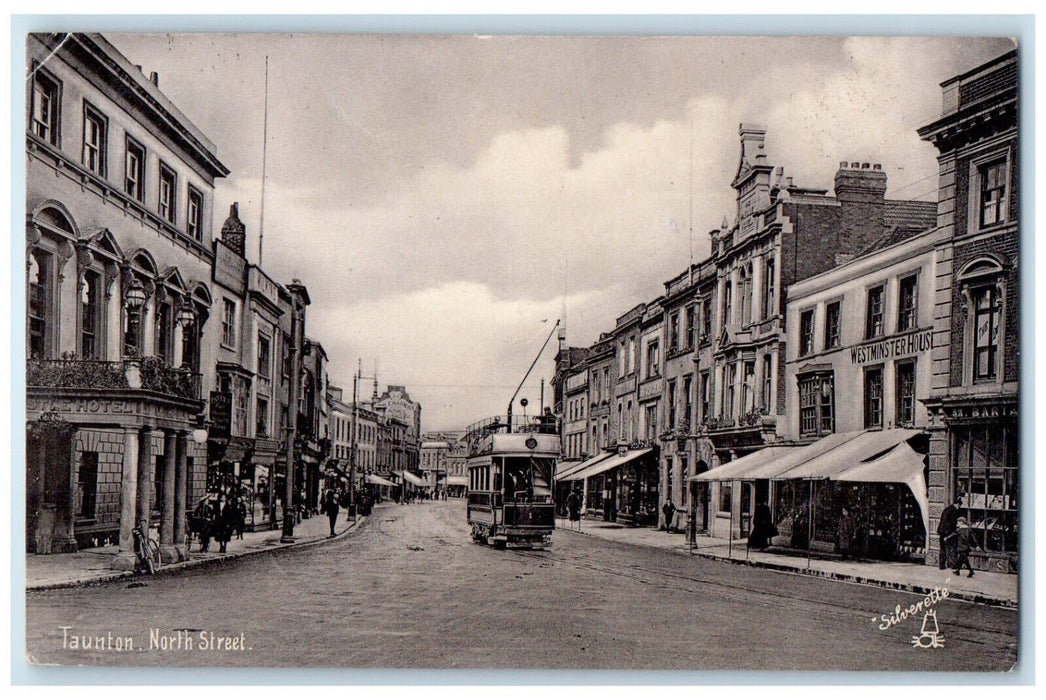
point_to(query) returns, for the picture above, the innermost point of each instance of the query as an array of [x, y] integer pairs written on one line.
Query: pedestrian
[[945, 528], [669, 511], [844, 534], [330, 507], [963, 544], [574, 509], [763, 528], [241, 517], [224, 523]]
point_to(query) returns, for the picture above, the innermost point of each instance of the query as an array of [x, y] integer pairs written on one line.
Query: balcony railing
[[150, 373]]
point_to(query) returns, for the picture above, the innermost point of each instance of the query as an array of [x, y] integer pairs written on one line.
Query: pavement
[[91, 566], [47, 571], [984, 587]]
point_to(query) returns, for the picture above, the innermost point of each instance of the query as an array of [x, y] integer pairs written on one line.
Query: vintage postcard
[[682, 353]]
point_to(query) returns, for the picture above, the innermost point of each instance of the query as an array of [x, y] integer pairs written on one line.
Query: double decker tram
[[510, 482]]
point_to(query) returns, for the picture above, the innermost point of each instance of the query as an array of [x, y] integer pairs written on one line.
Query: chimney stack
[[234, 233], [860, 182], [154, 78]]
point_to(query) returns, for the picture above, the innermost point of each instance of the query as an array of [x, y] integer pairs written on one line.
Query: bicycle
[[146, 551]]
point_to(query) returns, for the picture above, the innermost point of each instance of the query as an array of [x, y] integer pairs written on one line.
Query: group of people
[[218, 517], [336, 499], [956, 539]]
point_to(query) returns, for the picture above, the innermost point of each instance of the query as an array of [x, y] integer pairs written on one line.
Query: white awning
[[863, 447], [900, 465], [608, 464], [457, 481], [565, 467], [375, 479], [413, 479], [577, 467]]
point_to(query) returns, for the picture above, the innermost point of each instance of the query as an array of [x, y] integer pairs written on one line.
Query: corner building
[[119, 197], [974, 400]]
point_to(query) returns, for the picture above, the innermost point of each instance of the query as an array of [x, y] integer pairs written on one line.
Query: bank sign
[[905, 346]]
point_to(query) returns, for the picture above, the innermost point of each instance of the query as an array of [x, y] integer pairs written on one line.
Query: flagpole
[[265, 145]]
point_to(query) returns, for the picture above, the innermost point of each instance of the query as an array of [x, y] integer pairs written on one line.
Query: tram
[[510, 482]]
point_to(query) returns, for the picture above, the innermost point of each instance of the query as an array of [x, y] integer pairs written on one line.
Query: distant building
[[396, 404]]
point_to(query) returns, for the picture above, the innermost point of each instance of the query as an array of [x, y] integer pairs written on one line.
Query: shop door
[[747, 494], [48, 471]]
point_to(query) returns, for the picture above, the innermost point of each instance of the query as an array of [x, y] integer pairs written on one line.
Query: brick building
[[974, 398]]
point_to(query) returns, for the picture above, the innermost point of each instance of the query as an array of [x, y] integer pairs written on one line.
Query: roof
[[895, 235], [910, 213]]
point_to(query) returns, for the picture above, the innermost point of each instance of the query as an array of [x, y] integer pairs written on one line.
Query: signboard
[[229, 268], [221, 413], [905, 346], [651, 390]]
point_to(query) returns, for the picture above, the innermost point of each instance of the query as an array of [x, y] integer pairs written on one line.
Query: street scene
[[534, 352], [582, 603]]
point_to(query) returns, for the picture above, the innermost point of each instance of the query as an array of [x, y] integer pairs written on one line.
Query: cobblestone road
[[410, 590]]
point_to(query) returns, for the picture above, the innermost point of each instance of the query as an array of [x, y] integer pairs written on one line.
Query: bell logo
[[930, 636]]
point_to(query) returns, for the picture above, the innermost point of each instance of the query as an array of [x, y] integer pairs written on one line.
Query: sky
[[445, 199]]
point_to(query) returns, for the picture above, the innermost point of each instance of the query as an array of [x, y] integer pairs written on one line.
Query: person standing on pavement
[[844, 534], [946, 528], [962, 537], [224, 523], [763, 528], [330, 507], [669, 511], [574, 509]]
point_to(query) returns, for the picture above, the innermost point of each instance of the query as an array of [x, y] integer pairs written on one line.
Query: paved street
[[410, 590]]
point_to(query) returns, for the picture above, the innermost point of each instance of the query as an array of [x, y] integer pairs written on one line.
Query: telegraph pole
[[355, 434]]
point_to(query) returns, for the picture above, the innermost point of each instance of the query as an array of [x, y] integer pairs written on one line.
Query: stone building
[[119, 313], [974, 398]]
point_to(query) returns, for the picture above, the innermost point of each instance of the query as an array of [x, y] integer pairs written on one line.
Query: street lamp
[[186, 314], [134, 297]]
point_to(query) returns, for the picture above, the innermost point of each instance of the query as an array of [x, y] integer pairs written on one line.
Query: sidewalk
[[985, 586], [46, 571]]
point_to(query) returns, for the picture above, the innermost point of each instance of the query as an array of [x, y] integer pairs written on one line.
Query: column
[[145, 478], [180, 474], [167, 552], [128, 500], [64, 539]]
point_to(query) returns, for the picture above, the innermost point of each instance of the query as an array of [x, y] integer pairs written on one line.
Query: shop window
[[907, 303], [134, 170], [874, 317], [905, 372], [806, 332], [873, 397], [725, 497], [45, 108], [832, 325], [39, 304], [95, 135], [87, 485], [992, 182], [817, 405], [984, 475]]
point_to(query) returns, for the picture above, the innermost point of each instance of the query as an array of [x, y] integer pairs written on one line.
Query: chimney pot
[[154, 78], [855, 165], [877, 166], [138, 67], [842, 164], [864, 166]]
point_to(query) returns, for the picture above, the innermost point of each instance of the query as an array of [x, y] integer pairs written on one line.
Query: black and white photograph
[[520, 351]]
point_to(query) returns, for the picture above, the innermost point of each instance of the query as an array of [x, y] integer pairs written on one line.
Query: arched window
[[983, 290]]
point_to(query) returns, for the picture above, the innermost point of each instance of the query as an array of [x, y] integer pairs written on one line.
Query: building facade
[[119, 199], [973, 403]]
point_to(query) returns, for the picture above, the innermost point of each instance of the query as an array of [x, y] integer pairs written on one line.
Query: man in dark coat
[[963, 543], [330, 507], [669, 511], [574, 508], [945, 528], [225, 523], [763, 527]]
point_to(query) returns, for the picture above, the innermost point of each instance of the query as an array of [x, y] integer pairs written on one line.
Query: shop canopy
[[567, 467], [576, 468], [902, 465], [616, 460], [413, 479], [863, 447], [379, 481], [771, 462], [457, 481]]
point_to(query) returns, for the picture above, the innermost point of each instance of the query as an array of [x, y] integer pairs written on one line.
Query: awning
[[375, 479], [413, 479], [577, 468], [611, 463], [863, 447], [771, 462], [567, 466], [457, 481], [900, 465]]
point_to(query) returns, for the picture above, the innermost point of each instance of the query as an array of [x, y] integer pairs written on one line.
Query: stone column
[[145, 478], [64, 539], [167, 552], [128, 500], [180, 468]]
